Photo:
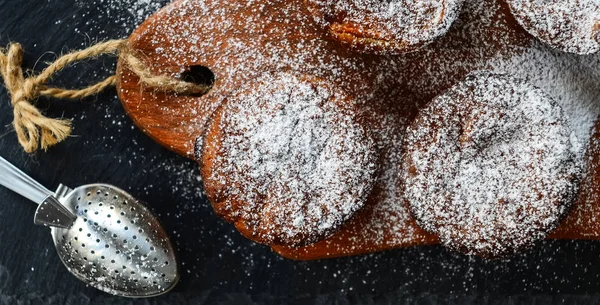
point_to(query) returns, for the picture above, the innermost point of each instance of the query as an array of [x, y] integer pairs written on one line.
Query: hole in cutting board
[[199, 75]]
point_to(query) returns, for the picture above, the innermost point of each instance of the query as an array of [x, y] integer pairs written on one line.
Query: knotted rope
[[35, 130]]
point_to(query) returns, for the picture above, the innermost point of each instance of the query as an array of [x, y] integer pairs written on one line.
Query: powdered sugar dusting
[[490, 165], [572, 26], [389, 202], [292, 164], [126, 13]]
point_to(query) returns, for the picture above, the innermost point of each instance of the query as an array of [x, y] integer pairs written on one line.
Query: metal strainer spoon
[[102, 234]]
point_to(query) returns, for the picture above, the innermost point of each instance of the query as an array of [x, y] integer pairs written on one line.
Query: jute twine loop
[[35, 130]]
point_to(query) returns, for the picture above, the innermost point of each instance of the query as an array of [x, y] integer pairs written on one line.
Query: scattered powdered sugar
[[490, 165], [399, 24], [126, 14], [292, 162], [398, 224], [572, 26]]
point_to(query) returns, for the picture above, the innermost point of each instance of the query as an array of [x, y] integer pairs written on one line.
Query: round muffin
[[287, 160], [490, 166], [569, 25], [385, 27]]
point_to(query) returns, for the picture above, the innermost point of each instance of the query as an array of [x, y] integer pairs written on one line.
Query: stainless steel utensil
[[103, 235]]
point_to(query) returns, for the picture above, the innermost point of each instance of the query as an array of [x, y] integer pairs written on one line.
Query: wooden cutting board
[[234, 43]]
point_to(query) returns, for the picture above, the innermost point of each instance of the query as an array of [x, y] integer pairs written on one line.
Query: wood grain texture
[[240, 42]]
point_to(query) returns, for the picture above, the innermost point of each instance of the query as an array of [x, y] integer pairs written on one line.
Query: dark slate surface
[[218, 265]]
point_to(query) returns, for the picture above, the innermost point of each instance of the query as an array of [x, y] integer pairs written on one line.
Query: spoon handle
[[17, 181]]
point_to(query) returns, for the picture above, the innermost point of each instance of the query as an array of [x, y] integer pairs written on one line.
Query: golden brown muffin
[[490, 166], [287, 160], [385, 27]]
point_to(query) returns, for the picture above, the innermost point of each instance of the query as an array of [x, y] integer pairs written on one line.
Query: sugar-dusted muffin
[[287, 160], [385, 27], [569, 25], [490, 166]]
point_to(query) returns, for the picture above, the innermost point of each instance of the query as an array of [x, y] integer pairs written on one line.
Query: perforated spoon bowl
[[103, 235]]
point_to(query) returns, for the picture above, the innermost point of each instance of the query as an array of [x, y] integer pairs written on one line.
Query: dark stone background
[[218, 265]]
